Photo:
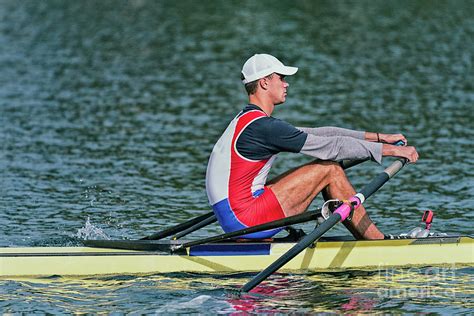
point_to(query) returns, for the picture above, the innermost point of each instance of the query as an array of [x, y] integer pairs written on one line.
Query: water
[[432, 290], [109, 110]]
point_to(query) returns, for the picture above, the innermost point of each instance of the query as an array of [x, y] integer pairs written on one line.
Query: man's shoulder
[[275, 127], [278, 124]]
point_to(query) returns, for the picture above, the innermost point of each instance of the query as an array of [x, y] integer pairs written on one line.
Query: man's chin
[[281, 101]]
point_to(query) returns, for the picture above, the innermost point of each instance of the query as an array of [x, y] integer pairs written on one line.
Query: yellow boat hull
[[332, 255]]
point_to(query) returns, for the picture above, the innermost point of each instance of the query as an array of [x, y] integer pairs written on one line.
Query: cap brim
[[287, 70]]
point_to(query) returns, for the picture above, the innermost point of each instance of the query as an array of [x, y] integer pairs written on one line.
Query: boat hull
[[232, 257]]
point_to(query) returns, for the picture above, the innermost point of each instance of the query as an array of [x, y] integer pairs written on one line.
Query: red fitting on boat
[[427, 218]]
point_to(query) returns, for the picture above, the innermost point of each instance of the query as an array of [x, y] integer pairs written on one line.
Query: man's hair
[[251, 87]]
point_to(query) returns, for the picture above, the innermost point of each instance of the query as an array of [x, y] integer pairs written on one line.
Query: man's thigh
[[297, 188]]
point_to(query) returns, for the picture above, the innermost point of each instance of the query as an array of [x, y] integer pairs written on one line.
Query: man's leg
[[297, 188]]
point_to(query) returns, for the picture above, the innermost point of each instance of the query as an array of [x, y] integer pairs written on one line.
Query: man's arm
[[268, 136], [332, 131], [337, 148], [368, 136], [342, 147]]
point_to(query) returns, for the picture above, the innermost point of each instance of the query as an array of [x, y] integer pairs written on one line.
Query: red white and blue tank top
[[242, 158]]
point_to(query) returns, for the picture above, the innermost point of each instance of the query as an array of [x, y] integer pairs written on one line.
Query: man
[[236, 179]]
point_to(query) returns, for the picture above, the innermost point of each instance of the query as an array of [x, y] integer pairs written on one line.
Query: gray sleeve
[[337, 148], [332, 131]]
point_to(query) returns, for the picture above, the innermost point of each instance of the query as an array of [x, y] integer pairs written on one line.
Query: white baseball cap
[[262, 65]]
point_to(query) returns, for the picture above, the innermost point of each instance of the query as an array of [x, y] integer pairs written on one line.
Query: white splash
[[196, 303], [89, 231]]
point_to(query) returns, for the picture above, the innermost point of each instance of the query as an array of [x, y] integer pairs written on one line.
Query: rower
[[236, 178]]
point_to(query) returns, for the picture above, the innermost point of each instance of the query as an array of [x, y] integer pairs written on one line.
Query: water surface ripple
[[109, 111]]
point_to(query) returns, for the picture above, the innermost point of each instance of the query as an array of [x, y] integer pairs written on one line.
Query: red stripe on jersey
[[243, 171]]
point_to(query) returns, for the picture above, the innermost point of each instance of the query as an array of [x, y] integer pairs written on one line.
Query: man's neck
[[266, 105]]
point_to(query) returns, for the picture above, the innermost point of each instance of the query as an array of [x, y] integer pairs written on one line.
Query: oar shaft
[[176, 229], [346, 164], [193, 228], [293, 252], [382, 178], [296, 219]]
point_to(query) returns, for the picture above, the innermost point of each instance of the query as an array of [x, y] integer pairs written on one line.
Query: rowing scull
[[328, 254]]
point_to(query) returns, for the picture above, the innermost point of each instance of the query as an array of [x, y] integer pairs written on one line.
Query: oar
[[346, 164], [178, 228], [339, 215], [195, 227], [292, 220]]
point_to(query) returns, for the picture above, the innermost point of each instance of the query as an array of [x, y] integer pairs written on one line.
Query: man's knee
[[331, 168]]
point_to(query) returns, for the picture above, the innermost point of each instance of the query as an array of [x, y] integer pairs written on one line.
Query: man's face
[[277, 87]]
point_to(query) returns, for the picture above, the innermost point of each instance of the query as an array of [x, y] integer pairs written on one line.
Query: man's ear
[[262, 83]]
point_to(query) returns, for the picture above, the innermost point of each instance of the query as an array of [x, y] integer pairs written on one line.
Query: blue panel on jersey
[[230, 223], [230, 250]]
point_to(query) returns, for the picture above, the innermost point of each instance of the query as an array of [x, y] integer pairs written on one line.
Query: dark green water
[[109, 111]]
